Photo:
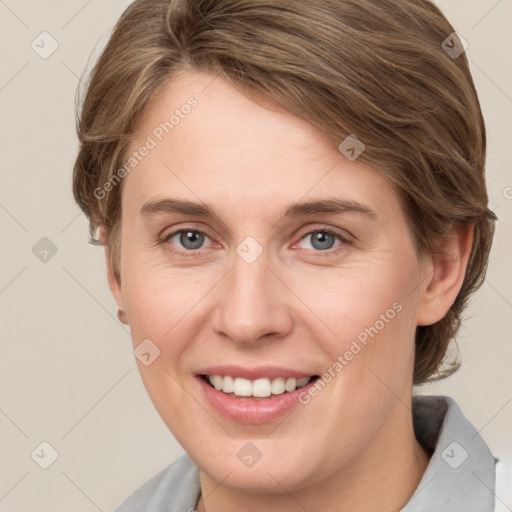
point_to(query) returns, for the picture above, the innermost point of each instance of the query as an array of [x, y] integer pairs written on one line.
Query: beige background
[[67, 373]]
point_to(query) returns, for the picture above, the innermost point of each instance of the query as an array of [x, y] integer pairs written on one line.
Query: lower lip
[[247, 410]]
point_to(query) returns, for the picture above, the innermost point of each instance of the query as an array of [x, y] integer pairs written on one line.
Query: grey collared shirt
[[460, 476]]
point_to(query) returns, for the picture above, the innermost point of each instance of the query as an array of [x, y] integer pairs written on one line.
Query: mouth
[[258, 389], [253, 395]]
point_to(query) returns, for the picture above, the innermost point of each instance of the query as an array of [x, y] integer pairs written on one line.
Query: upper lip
[[260, 372]]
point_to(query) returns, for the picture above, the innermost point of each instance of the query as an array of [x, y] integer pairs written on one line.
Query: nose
[[253, 303]]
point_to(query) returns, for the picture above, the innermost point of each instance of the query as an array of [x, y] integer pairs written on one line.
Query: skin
[[353, 446]]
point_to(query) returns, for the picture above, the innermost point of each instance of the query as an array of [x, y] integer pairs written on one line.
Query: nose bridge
[[252, 303]]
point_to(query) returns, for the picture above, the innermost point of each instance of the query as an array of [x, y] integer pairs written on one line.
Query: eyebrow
[[294, 210]]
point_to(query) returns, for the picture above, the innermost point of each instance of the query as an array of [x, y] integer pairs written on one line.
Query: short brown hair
[[373, 69]]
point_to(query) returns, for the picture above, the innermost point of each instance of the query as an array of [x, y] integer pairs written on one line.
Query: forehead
[[226, 122], [207, 139]]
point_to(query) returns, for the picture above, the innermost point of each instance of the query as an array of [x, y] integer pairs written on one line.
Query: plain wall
[[67, 372]]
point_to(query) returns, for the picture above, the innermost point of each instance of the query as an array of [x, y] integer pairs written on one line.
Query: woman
[[292, 200]]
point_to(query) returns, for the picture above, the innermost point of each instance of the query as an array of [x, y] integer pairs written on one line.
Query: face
[[261, 294]]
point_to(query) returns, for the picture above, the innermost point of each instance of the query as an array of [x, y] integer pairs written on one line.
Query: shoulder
[[177, 485], [503, 485]]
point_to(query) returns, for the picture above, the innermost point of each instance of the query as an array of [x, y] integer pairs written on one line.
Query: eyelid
[[187, 227], [344, 235]]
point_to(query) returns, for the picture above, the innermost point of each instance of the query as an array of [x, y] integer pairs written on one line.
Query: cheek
[[157, 297], [369, 300], [365, 322], [161, 307]]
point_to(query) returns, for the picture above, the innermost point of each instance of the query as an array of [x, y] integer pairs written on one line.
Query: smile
[[253, 395], [238, 387]]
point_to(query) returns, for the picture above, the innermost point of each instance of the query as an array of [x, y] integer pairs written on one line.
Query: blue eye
[[322, 240], [189, 242], [190, 239]]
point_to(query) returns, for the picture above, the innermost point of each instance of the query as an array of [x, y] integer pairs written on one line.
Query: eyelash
[[317, 253]]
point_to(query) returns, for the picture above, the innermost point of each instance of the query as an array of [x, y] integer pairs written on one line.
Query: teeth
[[290, 384], [242, 387], [228, 385], [217, 382], [302, 382], [277, 386], [259, 388]]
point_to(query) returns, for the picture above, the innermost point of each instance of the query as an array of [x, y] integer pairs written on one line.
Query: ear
[[445, 274], [113, 283]]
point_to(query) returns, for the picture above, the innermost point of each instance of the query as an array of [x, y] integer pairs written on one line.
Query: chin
[[277, 468]]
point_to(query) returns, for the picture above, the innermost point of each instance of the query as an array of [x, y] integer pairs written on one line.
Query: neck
[[383, 478]]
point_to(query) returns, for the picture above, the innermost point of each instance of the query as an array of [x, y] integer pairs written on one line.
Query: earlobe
[[113, 282], [446, 275]]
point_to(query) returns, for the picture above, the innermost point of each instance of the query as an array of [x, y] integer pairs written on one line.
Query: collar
[[460, 476]]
